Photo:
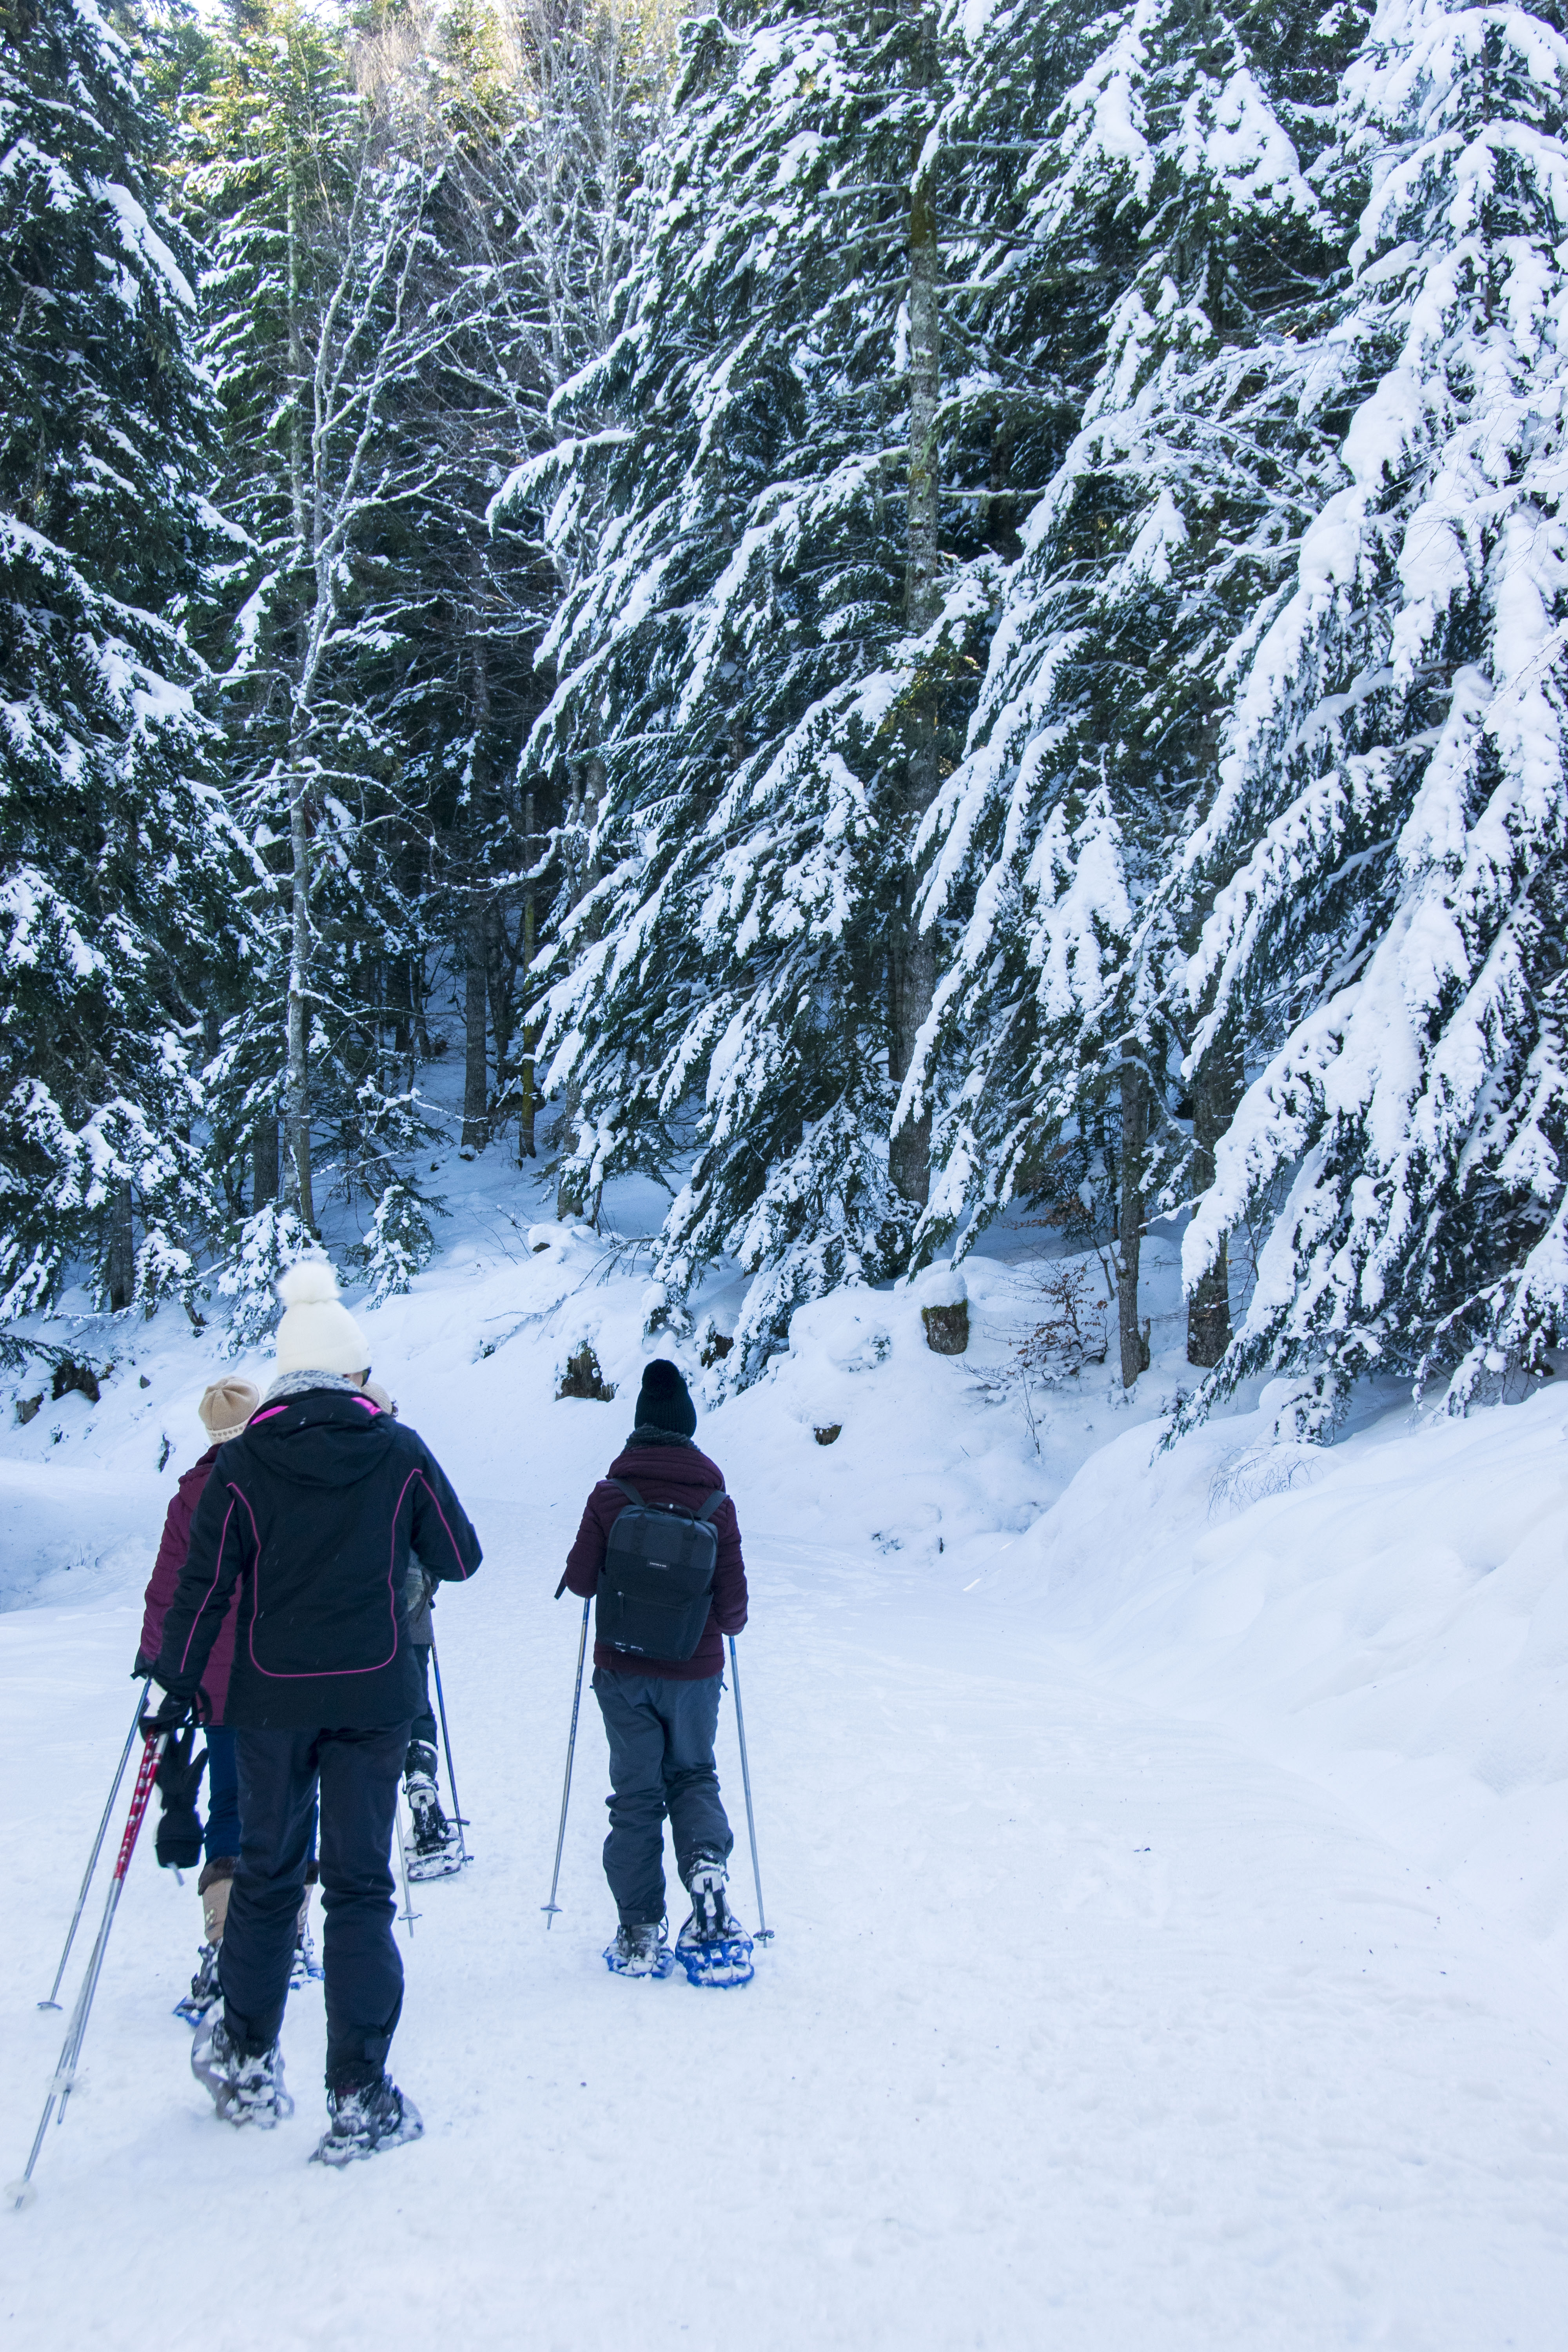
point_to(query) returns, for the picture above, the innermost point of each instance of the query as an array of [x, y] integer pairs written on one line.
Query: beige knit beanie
[[378, 1395], [225, 1408], [318, 1334]]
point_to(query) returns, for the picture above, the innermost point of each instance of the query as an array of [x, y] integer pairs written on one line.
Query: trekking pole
[[22, 2192], [447, 1744], [97, 1847], [550, 1908], [764, 1933], [408, 1914]]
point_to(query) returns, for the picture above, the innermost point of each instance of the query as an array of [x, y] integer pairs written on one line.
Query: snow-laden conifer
[[119, 864], [1173, 196], [1389, 837]]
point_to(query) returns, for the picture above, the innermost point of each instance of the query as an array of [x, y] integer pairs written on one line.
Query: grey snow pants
[[661, 1761]]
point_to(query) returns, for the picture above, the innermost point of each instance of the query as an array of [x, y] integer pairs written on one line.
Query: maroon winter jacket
[[665, 1474], [165, 1576]]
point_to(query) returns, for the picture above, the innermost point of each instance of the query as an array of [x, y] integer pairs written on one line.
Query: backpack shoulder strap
[[711, 1505], [628, 1490]]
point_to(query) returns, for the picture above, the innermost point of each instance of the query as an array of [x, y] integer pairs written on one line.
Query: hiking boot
[[205, 1988], [712, 1918], [247, 2088], [366, 2118], [639, 1950], [436, 1848], [214, 1887]]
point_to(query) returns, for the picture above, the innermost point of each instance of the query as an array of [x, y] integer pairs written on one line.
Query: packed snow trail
[[1082, 2027]]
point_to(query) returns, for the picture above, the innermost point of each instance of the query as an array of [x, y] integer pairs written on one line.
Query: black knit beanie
[[663, 1400]]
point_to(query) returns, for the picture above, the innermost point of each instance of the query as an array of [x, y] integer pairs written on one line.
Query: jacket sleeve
[[165, 1576], [222, 1548], [445, 1540], [586, 1557], [729, 1572]]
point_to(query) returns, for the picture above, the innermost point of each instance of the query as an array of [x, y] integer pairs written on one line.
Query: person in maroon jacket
[[661, 1714], [225, 1409]]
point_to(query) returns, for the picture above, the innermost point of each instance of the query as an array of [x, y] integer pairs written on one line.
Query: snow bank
[[1389, 1615]]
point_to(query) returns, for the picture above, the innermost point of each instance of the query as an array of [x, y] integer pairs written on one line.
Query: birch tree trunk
[[297, 1044], [913, 953], [297, 1074], [1130, 1227]]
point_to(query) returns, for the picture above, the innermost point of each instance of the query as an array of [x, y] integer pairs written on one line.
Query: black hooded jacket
[[314, 1511]]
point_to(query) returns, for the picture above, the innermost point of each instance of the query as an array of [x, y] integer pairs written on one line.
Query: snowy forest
[[895, 613]]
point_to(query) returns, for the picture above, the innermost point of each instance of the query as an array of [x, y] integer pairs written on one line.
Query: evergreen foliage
[[119, 862], [1391, 823], [919, 606]]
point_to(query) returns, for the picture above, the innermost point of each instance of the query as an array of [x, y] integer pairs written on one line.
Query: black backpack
[[657, 1584]]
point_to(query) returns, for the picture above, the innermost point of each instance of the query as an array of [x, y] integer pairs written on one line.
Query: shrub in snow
[[400, 1242]]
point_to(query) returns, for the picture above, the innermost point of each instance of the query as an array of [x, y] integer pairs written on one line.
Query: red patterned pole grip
[[138, 1796]]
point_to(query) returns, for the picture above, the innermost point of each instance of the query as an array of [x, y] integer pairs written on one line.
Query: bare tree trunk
[[121, 1266], [264, 1162], [1129, 1233], [571, 1200], [1217, 1090], [476, 1126], [526, 1146], [296, 1076], [913, 953]]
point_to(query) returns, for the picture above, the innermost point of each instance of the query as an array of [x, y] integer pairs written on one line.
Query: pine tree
[[1388, 845], [768, 669], [121, 866], [1171, 196]]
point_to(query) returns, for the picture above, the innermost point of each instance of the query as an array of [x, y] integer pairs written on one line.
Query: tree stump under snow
[[947, 1328], [582, 1377]]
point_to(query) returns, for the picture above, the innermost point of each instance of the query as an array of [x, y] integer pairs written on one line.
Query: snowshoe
[[245, 2090], [205, 1988], [437, 1852], [713, 1948], [640, 1951], [366, 2119]]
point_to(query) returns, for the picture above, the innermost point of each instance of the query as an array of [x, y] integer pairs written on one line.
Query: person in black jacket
[[312, 1513]]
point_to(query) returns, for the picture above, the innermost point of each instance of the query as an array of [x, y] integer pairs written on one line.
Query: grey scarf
[[293, 1384], [646, 1435]]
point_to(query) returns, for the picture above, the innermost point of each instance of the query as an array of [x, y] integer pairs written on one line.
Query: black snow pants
[[357, 1774], [661, 1760]]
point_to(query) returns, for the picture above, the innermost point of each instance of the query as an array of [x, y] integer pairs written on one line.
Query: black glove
[[178, 1845], [141, 1669], [172, 1714]]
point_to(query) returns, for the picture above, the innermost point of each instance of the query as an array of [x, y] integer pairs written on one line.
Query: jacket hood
[[678, 1465], [325, 1438]]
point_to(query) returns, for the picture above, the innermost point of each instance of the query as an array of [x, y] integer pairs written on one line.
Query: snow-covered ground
[[1167, 1862]]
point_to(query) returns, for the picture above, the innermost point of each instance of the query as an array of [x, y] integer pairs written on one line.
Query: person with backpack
[[311, 1513], [183, 1839], [659, 1546]]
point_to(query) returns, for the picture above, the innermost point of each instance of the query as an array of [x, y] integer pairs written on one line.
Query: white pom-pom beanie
[[318, 1334]]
